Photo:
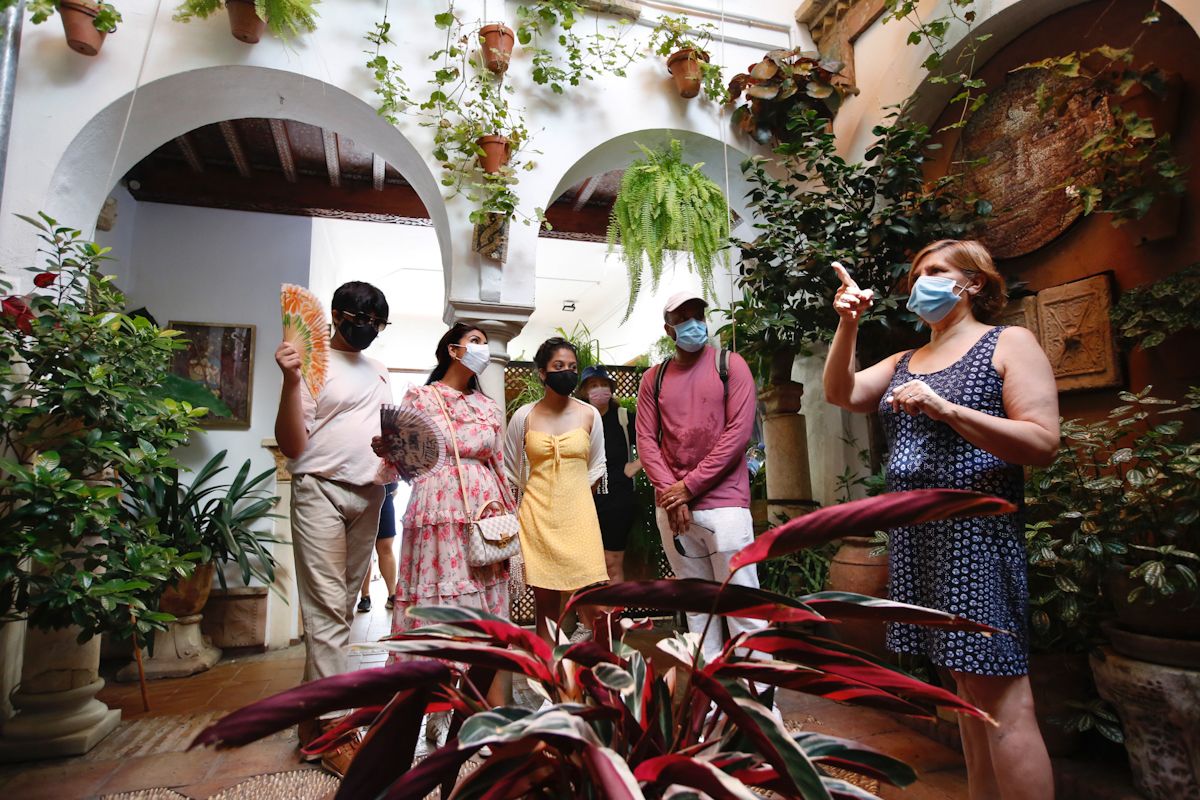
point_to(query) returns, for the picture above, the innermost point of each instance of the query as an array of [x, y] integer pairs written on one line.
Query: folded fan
[[413, 442], [306, 328]]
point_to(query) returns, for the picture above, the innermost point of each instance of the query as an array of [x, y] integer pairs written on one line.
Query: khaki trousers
[[333, 535]]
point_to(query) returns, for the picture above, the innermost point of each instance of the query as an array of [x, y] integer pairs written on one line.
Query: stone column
[[283, 619], [789, 486], [57, 713]]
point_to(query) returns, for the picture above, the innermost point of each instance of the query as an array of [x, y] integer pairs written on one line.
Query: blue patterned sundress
[[972, 567]]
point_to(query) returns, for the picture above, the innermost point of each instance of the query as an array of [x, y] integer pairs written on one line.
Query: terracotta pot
[[495, 152], [1160, 714], [1057, 680], [1174, 617], [187, 597], [854, 569], [244, 22], [684, 66], [77, 19], [497, 43]]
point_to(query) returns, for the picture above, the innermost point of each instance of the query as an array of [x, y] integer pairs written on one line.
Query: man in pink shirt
[[693, 426]]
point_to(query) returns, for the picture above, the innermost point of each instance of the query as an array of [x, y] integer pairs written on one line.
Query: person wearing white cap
[[695, 417]]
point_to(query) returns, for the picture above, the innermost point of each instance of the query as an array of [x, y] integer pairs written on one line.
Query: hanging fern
[[666, 205]]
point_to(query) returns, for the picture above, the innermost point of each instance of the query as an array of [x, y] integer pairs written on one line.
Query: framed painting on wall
[[221, 357]]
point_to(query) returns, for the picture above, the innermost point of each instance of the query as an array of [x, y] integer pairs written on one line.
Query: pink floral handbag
[[489, 539]]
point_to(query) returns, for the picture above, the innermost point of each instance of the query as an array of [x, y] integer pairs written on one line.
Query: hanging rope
[[728, 208], [137, 82]]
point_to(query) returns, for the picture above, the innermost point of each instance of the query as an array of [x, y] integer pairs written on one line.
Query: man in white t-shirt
[[337, 484]]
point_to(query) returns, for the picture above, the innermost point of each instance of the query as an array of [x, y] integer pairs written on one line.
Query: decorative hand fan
[[306, 328], [414, 443]]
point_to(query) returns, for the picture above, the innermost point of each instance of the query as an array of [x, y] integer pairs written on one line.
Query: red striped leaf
[[864, 517], [698, 597]]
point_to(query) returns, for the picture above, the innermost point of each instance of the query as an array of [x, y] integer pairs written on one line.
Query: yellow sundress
[[560, 534]]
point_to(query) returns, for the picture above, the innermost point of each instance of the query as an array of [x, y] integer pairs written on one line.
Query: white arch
[[173, 105]]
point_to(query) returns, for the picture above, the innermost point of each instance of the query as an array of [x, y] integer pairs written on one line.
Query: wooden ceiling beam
[[333, 164], [190, 155], [310, 195], [283, 148], [585, 193], [229, 132]]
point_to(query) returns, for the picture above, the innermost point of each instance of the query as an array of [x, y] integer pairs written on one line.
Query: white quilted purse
[[489, 539]]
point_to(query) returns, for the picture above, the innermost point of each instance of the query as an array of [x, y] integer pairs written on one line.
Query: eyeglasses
[[365, 319]]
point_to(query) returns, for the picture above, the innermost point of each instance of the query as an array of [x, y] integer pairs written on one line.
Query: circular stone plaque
[[1030, 155]]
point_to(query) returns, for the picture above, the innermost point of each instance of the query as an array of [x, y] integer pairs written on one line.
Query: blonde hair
[[973, 259]]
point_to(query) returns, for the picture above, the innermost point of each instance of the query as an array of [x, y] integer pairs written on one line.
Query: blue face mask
[[934, 297], [691, 335]]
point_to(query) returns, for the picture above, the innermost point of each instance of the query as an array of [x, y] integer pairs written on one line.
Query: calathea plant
[[618, 724], [664, 206], [77, 376], [782, 84]]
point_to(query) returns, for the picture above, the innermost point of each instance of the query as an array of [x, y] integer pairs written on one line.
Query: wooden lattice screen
[[516, 378]]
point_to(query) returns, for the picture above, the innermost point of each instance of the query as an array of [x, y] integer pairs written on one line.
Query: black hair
[[358, 297], [549, 348], [442, 352]]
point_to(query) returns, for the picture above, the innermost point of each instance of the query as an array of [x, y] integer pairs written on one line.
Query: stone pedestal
[[1159, 707], [57, 713], [179, 651], [789, 485]]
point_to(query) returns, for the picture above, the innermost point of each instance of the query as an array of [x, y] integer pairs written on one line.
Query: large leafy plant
[[1147, 315], [1123, 491], [619, 724], [872, 216], [78, 376], [214, 520], [667, 206]]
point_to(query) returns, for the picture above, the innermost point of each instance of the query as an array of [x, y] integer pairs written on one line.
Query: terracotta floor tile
[[922, 754], [257, 759], [67, 779], [161, 769]]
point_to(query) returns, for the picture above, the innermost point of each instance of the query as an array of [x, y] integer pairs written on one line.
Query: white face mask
[[475, 357]]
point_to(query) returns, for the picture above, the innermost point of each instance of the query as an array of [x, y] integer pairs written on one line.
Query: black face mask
[[563, 382], [358, 335]]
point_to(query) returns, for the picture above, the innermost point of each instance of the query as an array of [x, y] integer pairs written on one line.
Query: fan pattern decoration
[[413, 443], [306, 328]]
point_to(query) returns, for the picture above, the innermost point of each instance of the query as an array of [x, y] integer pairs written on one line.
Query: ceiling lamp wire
[[728, 210], [137, 82]]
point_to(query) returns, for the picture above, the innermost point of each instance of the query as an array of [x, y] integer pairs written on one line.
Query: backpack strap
[[658, 384], [723, 370], [722, 364]]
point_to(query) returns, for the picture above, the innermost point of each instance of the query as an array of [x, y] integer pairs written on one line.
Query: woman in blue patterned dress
[[965, 411]]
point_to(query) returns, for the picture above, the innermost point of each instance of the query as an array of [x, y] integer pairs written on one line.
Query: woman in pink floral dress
[[433, 549]]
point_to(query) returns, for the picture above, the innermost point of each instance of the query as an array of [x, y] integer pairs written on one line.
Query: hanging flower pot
[[495, 153], [78, 18], [684, 66], [497, 43], [244, 22]]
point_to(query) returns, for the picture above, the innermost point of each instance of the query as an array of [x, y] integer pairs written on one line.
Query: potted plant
[[781, 84], [85, 22], [496, 41], [575, 58], [214, 523], [617, 722], [685, 46], [77, 376], [665, 206], [249, 18]]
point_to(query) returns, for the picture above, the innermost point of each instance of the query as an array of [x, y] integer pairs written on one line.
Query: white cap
[[679, 298]]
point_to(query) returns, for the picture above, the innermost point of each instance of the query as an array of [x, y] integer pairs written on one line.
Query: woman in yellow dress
[[554, 454]]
